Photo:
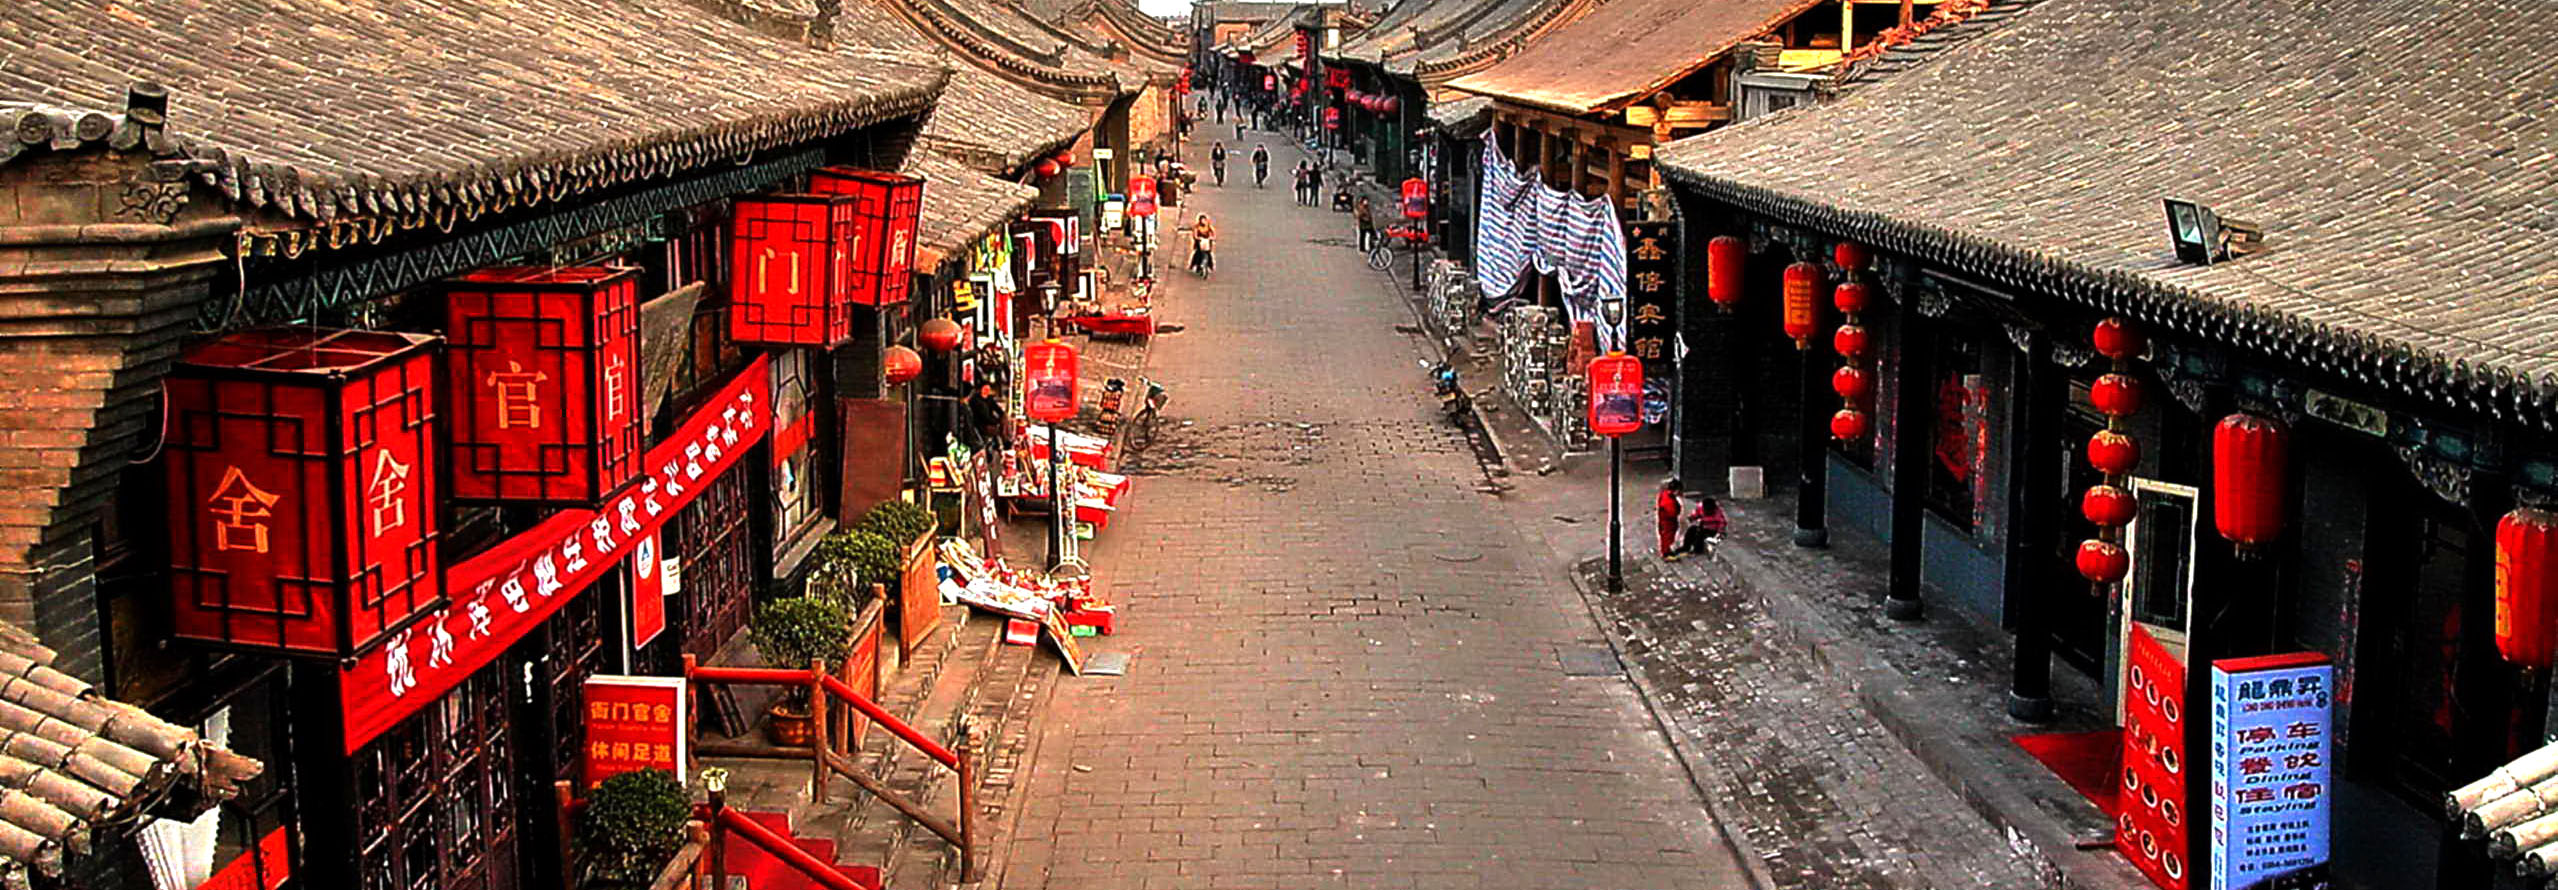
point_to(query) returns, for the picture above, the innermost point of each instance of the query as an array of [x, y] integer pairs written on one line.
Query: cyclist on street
[[1217, 161], [1260, 166], [1203, 246]]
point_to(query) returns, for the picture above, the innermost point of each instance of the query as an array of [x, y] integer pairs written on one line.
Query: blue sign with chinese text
[[2270, 750]]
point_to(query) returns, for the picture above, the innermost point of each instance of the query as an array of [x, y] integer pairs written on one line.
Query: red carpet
[[2089, 761]]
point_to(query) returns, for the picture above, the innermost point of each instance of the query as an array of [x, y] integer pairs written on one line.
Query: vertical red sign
[[1141, 196], [1049, 377], [1616, 394], [648, 591], [2150, 825], [632, 724]]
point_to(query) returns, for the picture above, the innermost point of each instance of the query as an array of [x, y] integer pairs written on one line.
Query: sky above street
[[1164, 7]]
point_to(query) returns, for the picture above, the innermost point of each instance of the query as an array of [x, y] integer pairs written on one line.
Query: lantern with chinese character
[[1270, 81], [1616, 394], [1725, 259], [900, 365], [941, 335], [1416, 199], [1141, 196], [2526, 580], [2248, 465], [1802, 303], [1048, 370], [791, 276], [542, 375], [885, 208], [302, 489]]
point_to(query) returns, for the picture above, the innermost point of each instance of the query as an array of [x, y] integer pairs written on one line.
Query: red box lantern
[[302, 489], [542, 371], [885, 208], [1416, 199], [1616, 394], [1725, 257], [1802, 302], [1049, 372], [2526, 588], [791, 272]]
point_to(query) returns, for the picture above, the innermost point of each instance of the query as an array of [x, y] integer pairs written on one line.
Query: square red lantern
[[885, 208], [1048, 372], [1616, 394], [791, 269], [302, 489], [542, 373]]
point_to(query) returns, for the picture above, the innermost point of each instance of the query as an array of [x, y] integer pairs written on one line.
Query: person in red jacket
[[1665, 509], [1705, 523]]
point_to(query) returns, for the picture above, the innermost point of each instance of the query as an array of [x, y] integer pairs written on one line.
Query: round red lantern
[[1849, 255], [2115, 339], [1802, 305], [941, 335], [1066, 158], [1851, 296], [2107, 505], [2118, 395], [1849, 340], [1849, 424], [2113, 453], [1048, 368], [1852, 383], [1725, 257], [2103, 562], [1616, 394], [901, 365], [1389, 104], [2248, 478], [1046, 168], [2526, 580]]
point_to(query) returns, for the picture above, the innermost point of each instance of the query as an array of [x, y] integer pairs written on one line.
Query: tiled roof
[[1929, 45], [960, 206], [1462, 117], [73, 762], [1426, 29], [412, 106], [1492, 39], [1626, 49], [2406, 181], [996, 126], [1004, 38]]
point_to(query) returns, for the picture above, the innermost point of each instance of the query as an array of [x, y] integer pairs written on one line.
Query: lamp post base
[[1811, 537], [2029, 709], [1904, 610]]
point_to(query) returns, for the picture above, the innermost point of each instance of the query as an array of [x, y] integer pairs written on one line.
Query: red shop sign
[[648, 590], [1049, 370], [502, 593], [791, 270], [1616, 394], [632, 724], [542, 369], [1141, 196], [885, 207], [2151, 825], [1416, 199]]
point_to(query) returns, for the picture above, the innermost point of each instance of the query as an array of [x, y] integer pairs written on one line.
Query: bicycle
[[1382, 258], [1141, 426]]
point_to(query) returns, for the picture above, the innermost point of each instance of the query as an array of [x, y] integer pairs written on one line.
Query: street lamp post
[[1616, 408]]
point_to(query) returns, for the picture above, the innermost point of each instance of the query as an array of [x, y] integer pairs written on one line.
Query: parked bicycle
[[1141, 426], [1413, 237]]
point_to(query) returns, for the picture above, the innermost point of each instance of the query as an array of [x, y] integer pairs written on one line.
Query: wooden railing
[[833, 752]]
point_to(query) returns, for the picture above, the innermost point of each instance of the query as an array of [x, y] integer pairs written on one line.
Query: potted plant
[[901, 522], [791, 633], [632, 824]]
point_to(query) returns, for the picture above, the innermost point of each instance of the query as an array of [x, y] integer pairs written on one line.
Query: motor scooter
[[1453, 401]]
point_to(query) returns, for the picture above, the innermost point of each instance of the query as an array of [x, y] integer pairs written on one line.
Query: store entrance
[[548, 671]]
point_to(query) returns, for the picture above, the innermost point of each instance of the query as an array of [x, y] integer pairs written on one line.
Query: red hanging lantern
[[542, 382], [1416, 199], [1852, 383], [1049, 371], [302, 480], [1065, 158], [2118, 395], [1726, 257], [1851, 297], [1045, 168], [900, 365], [1802, 303], [2113, 453], [2103, 562], [2526, 580], [2248, 478], [1849, 255], [1849, 340], [2117, 340], [1389, 104], [885, 210], [1849, 425], [2107, 505], [941, 335], [790, 282], [1616, 394]]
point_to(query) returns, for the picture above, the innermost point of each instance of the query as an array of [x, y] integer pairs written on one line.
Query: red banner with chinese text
[[502, 593], [648, 591], [632, 724]]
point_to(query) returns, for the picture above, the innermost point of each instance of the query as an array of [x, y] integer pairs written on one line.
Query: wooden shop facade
[[2166, 356]]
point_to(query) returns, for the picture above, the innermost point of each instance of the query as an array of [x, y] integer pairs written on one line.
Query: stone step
[[1001, 701], [869, 828]]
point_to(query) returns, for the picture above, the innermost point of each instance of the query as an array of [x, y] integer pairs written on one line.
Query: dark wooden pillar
[[2032, 496], [1913, 413], [1812, 440]]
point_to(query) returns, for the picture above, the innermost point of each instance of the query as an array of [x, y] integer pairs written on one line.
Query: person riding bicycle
[[1217, 161], [1260, 165], [1203, 246]]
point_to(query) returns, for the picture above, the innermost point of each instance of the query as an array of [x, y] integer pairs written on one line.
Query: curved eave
[[2416, 372]]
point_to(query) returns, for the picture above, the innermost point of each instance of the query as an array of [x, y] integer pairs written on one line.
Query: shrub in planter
[[875, 559], [633, 823], [835, 573], [790, 633], [900, 522]]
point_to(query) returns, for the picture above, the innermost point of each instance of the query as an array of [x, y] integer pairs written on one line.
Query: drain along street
[[1130, 444]]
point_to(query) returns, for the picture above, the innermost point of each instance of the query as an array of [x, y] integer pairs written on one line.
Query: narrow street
[[1352, 668]]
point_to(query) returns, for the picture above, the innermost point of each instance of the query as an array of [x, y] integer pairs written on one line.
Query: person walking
[[1367, 218], [1261, 166], [1297, 182], [1217, 162], [1314, 185], [1665, 514]]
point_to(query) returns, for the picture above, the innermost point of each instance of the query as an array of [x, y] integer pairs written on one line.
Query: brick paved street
[[1347, 666]]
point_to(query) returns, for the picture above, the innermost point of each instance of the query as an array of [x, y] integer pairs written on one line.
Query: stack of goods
[[997, 587]]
